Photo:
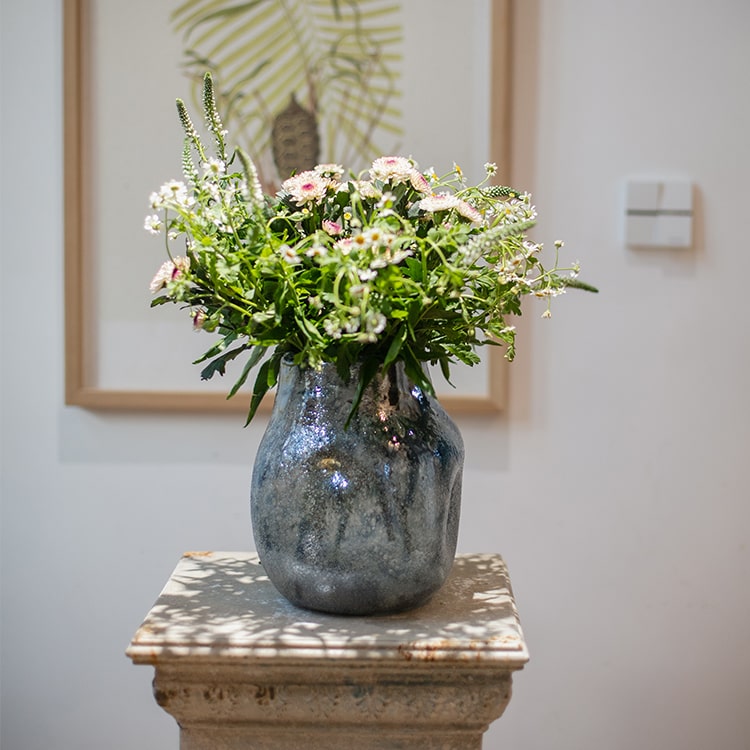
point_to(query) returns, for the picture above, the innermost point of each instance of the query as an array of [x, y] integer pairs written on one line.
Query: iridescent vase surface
[[358, 518]]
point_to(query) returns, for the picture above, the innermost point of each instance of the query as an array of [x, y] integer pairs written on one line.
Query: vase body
[[359, 518]]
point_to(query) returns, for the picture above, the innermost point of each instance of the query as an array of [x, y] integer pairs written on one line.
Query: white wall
[[615, 486]]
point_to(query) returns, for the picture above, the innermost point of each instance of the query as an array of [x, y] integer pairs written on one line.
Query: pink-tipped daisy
[[306, 187], [393, 169]]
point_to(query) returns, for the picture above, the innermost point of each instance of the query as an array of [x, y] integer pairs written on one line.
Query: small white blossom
[[289, 255], [331, 171], [531, 248], [214, 168], [172, 188], [318, 250], [367, 190], [385, 203], [153, 224], [214, 191], [332, 327], [360, 241], [176, 193], [375, 322], [374, 236], [395, 256], [549, 291], [345, 245], [352, 325]]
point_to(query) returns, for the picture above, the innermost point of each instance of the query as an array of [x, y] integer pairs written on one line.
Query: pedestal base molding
[[241, 669]]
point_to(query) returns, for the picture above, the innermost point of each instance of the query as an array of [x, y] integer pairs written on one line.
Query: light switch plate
[[659, 213]]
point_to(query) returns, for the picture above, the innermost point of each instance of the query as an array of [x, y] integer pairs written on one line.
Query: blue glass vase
[[359, 518]]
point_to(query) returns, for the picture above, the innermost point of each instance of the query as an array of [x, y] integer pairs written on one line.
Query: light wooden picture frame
[[91, 200]]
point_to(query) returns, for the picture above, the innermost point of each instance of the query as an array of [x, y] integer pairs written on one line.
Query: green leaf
[[414, 267], [446, 370], [255, 356], [216, 348], [311, 332], [395, 348], [367, 372], [415, 370], [266, 378], [259, 390], [219, 364]]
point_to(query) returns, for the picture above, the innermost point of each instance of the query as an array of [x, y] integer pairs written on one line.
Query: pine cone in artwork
[[294, 139]]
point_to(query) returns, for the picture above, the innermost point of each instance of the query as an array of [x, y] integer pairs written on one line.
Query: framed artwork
[[391, 77]]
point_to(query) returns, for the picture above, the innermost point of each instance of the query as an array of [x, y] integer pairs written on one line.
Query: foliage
[[395, 265]]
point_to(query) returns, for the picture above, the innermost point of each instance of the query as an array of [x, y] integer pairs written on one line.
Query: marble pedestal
[[239, 667]]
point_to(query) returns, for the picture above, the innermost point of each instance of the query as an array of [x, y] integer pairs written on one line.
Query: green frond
[[223, 37], [222, 15], [262, 51]]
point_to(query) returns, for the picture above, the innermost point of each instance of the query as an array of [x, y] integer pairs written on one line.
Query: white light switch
[[659, 213]]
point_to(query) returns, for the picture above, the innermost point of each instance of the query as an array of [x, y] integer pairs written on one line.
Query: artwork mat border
[[81, 388]]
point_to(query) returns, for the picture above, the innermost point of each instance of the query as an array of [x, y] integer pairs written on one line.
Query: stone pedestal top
[[222, 605], [240, 668]]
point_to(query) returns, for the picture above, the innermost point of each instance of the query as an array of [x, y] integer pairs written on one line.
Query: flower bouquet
[[392, 265]]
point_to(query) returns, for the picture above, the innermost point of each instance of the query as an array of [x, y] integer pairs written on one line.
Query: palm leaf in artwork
[[332, 64]]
